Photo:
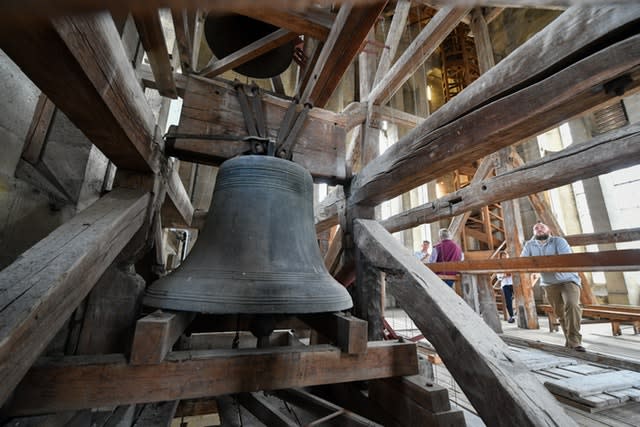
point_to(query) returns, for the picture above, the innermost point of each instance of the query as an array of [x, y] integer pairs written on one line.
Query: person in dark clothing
[[506, 284], [446, 251]]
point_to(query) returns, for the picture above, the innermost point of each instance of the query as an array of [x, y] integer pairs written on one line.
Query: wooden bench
[[616, 314]]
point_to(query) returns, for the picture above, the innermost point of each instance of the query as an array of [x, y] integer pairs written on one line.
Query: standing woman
[[506, 283]]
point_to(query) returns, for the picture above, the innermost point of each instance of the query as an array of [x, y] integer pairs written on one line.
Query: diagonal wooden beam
[[40, 290], [94, 83], [79, 381], [426, 153], [349, 30], [621, 260], [327, 212], [247, 53], [396, 28], [183, 38], [153, 41], [455, 329], [431, 36], [605, 153]]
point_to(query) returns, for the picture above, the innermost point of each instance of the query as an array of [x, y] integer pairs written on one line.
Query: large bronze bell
[[226, 34], [258, 252]]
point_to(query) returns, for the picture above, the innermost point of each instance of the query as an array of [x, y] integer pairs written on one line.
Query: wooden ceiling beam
[[153, 41], [28, 12], [81, 65], [418, 51], [350, 29], [45, 284], [247, 53], [620, 260], [78, 382], [456, 133], [455, 329], [605, 153]]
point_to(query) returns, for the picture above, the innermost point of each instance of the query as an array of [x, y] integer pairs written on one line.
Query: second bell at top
[[226, 34]]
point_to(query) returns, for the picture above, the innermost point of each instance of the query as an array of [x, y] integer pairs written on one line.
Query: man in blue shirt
[[562, 289]]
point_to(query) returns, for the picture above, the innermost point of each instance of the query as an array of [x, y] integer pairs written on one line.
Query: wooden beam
[[327, 212], [183, 38], [212, 108], [152, 39], [247, 53], [93, 83], [454, 329], [41, 289], [431, 36], [396, 28], [604, 237], [76, 382], [349, 30], [37, 133], [177, 209], [605, 153], [159, 414], [155, 335], [35, 11], [516, 113], [148, 80], [621, 260]]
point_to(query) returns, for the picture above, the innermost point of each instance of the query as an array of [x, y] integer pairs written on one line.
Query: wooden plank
[[247, 53], [265, 411], [212, 108], [454, 329], [152, 39], [41, 289], [549, 98], [155, 335], [418, 51], [613, 236], [349, 30], [94, 83], [316, 405], [605, 153], [327, 212], [143, 72], [622, 260], [159, 414], [334, 252], [588, 385], [79, 382], [37, 133]]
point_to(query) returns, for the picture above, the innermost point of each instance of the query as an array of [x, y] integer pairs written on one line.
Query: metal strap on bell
[[258, 252]]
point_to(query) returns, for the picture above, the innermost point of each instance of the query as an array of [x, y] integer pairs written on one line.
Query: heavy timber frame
[[576, 68]]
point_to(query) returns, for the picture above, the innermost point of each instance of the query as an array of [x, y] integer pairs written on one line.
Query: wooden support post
[[348, 332], [155, 335], [158, 414], [514, 235], [445, 321]]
